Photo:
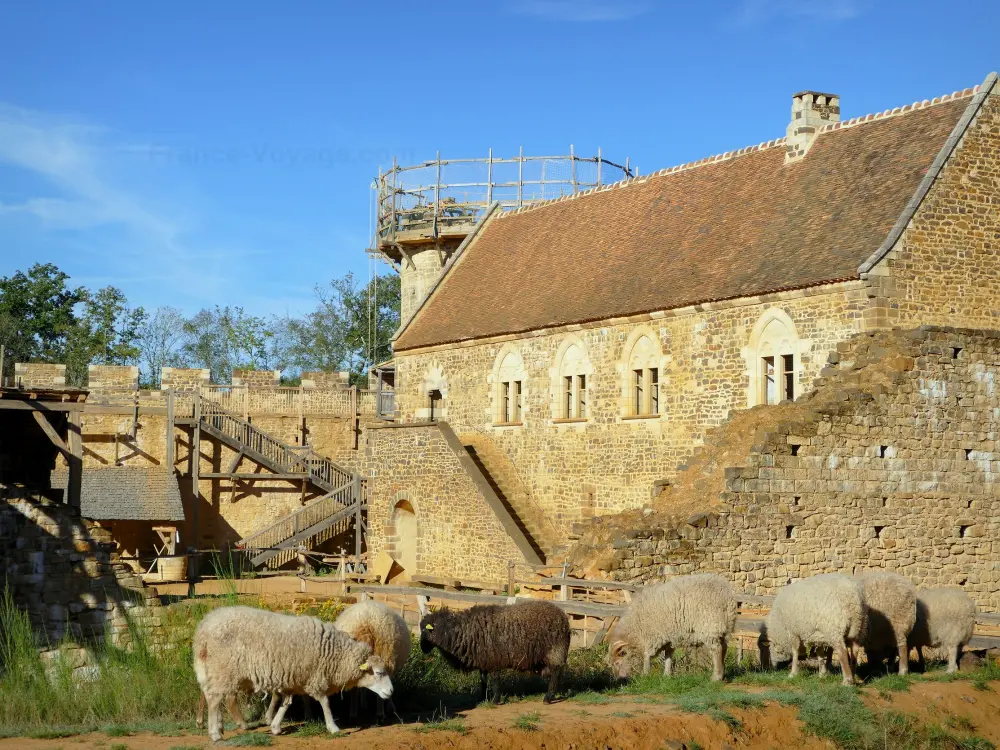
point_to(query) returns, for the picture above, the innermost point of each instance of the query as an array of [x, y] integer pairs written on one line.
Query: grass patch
[[119, 746], [250, 740], [52, 733], [309, 729], [443, 725], [890, 683], [527, 722], [590, 698], [117, 730]]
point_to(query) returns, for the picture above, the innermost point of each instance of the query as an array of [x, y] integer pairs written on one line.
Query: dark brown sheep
[[530, 636]]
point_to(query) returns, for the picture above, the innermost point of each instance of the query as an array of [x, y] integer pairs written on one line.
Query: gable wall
[[946, 269]]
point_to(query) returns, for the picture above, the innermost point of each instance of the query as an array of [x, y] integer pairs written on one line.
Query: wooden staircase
[[343, 503]]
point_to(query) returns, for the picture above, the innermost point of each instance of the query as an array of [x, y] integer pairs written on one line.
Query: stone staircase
[[498, 470]]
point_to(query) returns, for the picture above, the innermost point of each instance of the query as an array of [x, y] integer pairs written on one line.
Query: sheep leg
[[668, 661], [904, 657], [236, 713], [484, 685], [719, 660], [495, 686], [550, 695], [921, 664], [953, 659], [826, 662], [271, 708], [214, 703], [795, 662], [379, 708], [286, 701], [331, 725], [646, 658], [845, 664], [355, 700], [199, 717]]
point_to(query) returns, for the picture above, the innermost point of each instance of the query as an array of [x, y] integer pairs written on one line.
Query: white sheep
[[384, 631], [694, 610], [945, 619], [892, 611], [827, 611], [241, 648]]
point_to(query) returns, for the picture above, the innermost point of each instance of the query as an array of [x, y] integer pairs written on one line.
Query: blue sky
[[199, 153]]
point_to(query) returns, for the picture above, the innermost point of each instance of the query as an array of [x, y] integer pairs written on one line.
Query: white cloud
[[582, 11], [755, 11]]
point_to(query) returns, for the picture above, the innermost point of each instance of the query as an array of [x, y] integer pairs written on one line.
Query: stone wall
[[184, 378], [39, 375], [609, 462], [61, 571], [419, 271], [326, 380], [944, 269], [892, 463], [458, 534], [257, 378], [112, 377]]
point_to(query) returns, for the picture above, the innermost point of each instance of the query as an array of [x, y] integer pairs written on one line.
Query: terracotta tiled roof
[[731, 226]]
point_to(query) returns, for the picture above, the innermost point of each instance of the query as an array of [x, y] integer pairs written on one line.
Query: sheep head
[[375, 677], [623, 659], [430, 626]]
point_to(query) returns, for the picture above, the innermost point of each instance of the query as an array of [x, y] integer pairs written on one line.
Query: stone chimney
[[811, 110]]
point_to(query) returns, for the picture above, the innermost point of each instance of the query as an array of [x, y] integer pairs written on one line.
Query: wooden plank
[[51, 434], [74, 439], [580, 583], [35, 405]]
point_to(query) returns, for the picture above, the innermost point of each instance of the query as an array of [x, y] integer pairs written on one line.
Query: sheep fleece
[[524, 636], [685, 611], [824, 610], [241, 648], [945, 618], [382, 629], [892, 609]]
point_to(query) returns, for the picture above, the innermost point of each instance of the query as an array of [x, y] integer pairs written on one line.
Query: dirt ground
[[621, 724]]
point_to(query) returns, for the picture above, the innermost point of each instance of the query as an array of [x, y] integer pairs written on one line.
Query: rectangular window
[[435, 397], [518, 403], [505, 402], [788, 376], [769, 385], [638, 400], [581, 396], [654, 390], [567, 410]]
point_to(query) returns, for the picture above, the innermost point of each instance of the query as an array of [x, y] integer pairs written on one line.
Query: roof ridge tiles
[[764, 145]]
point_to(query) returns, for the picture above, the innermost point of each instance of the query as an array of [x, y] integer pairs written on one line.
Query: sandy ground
[[623, 724]]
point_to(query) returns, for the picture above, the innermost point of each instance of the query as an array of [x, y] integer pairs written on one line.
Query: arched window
[[642, 377], [509, 381], [572, 379], [404, 536], [773, 359]]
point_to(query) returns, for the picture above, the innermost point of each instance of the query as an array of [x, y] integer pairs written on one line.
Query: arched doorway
[[404, 548]]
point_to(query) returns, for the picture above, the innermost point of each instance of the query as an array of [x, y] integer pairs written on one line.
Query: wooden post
[[74, 441], [3, 361], [520, 174], [437, 194], [356, 496], [169, 447], [628, 171], [572, 166], [489, 179], [393, 210], [510, 578], [195, 457], [302, 415], [599, 160]]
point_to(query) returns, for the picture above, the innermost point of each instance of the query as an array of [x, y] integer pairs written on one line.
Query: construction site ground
[[960, 714]]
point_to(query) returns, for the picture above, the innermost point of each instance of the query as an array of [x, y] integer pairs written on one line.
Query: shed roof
[[127, 493]]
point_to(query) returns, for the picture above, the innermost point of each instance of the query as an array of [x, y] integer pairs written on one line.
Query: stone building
[[579, 349]]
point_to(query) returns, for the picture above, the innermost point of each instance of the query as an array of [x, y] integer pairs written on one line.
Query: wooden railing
[[281, 457], [245, 401], [386, 407], [304, 518]]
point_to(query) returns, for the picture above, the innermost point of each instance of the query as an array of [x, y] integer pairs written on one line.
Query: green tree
[[107, 333], [160, 340], [226, 338], [351, 328], [38, 314]]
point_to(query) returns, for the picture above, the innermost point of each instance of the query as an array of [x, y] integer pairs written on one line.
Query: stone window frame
[[763, 344], [433, 379], [654, 360], [498, 384], [392, 532], [559, 371]]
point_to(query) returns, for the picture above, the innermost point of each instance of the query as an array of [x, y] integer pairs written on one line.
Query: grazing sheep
[[240, 648], [527, 636], [827, 611], [892, 611], [695, 610], [384, 631], [945, 619]]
